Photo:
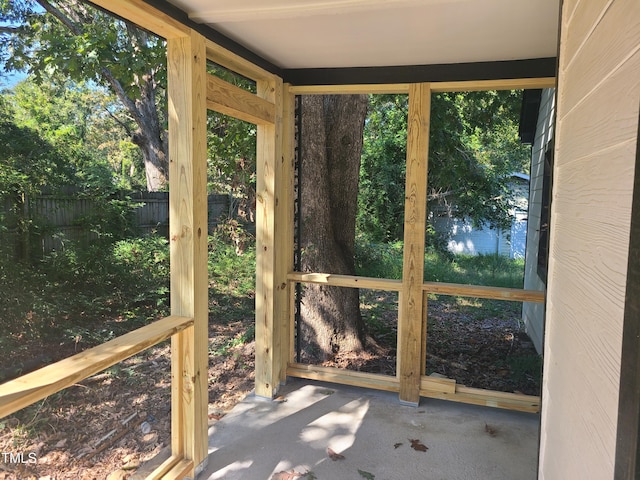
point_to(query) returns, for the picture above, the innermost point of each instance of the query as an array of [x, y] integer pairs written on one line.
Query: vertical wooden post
[[268, 159], [188, 244], [284, 243], [410, 302]]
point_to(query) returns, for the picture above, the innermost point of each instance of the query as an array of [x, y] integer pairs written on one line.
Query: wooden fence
[[62, 216]]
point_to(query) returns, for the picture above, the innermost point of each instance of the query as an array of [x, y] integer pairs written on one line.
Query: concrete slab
[[260, 438]]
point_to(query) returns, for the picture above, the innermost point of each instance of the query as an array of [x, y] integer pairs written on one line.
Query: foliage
[[71, 40], [230, 273], [383, 168], [27, 161], [231, 146], [379, 260], [473, 149], [84, 120], [385, 261]]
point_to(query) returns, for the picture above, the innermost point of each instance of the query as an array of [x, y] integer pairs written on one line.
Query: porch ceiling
[[294, 34]]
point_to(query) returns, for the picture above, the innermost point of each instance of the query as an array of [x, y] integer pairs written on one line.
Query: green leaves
[[474, 146]]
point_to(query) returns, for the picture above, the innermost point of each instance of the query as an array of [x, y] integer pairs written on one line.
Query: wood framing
[[34, 386], [429, 387], [269, 364], [235, 62], [186, 66], [352, 281], [145, 16], [410, 298], [284, 197], [480, 291], [230, 100], [506, 84], [348, 89]]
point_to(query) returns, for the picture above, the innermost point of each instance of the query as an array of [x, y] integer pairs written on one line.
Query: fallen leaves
[[418, 446], [284, 475], [367, 475], [334, 456], [493, 431]]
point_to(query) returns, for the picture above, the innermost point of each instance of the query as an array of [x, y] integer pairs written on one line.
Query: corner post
[[186, 65], [410, 328], [269, 241]]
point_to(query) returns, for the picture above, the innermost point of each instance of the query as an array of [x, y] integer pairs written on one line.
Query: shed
[[590, 407], [464, 237]]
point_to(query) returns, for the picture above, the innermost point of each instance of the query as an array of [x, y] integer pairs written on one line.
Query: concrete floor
[[260, 438]]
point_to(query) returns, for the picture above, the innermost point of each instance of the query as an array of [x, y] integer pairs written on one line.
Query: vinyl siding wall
[[533, 313], [596, 136]]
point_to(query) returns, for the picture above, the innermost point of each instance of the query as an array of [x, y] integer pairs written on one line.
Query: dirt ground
[[108, 426]]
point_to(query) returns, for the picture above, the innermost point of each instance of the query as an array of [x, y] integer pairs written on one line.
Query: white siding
[[533, 313], [596, 136]]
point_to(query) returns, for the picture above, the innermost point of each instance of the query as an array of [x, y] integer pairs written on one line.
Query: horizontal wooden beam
[[365, 379], [488, 398], [430, 387], [349, 89], [351, 281], [478, 291], [145, 16], [34, 386], [437, 384], [181, 470], [226, 98], [235, 62], [344, 377], [508, 84]]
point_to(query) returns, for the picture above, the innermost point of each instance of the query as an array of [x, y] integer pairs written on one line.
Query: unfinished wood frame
[[190, 92], [411, 382], [186, 71]]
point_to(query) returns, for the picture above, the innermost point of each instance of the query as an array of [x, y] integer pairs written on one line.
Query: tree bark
[[331, 146]]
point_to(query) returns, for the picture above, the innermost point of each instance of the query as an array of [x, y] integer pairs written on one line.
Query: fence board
[[62, 213]]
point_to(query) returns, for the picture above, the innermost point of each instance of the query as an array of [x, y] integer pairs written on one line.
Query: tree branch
[[62, 18], [12, 30]]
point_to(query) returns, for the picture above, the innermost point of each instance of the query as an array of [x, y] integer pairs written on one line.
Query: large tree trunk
[[331, 146]]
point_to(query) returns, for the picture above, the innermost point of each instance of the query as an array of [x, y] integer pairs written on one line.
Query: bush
[[378, 260]]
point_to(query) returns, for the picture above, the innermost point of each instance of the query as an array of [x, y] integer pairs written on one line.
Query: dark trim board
[[627, 466], [450, 72]]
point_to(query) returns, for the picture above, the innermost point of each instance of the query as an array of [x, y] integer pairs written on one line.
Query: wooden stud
[[506, 84], [349, 89], [410, 300], [235, 63], [352, 281], [344, 377], [34, 386], [425, 313], [488, 398], [480, 291], [268, 336], [284, 242], [230, 100], [188, 244], [430, 387], [145, 16]]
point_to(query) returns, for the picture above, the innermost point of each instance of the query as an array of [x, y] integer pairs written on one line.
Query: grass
[[385, 261]]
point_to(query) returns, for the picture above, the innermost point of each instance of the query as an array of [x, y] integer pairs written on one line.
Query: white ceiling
[[354, 33]]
